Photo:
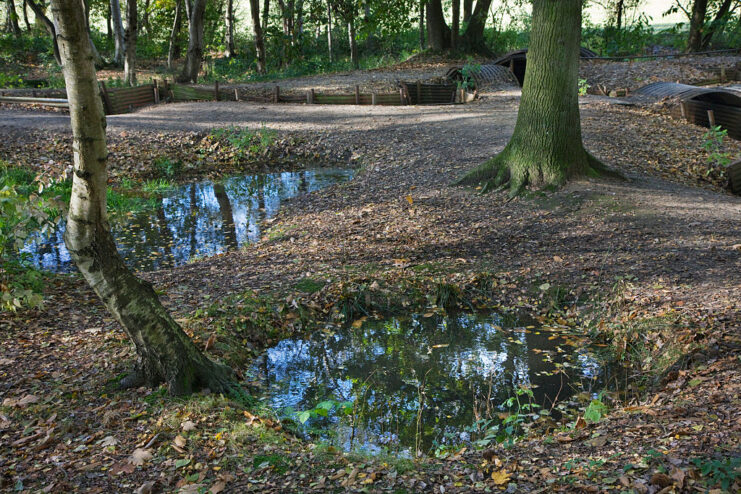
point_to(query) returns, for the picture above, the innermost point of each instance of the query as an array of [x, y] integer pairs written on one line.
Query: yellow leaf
[[500, 477], [359, 322], [409, 199]]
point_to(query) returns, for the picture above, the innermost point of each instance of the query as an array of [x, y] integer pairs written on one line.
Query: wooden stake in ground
[[165, 352], [546, 147]]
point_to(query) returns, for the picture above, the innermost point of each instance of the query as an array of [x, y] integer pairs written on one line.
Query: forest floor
[[652, 262]]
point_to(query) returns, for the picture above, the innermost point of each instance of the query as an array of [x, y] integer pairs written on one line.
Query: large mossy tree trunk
[[130, 43], [259, 36], [546, 147], [194, 57], [165, 352]]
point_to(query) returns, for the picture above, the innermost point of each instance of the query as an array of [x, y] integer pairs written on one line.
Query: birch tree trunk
[[259, 36], [118, 32], [229, 30], [194, 57], [329, 31], [165, 352], [353, 43], [130, 42], [546, 146]]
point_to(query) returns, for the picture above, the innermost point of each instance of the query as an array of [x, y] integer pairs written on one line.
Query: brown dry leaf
[[500, 477], [145, 488], [140, 456], [217, 487], [179, 441], [188, 426], [580, 423]]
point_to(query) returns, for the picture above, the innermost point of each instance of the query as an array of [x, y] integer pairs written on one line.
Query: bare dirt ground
[[672, 238]]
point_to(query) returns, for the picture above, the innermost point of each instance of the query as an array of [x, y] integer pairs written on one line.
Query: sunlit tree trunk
[[173, 50], [118, 32], [130, 43], [229, 30], [194, 57], [546, 146], [259, 36], [165, 352], [353, 43]]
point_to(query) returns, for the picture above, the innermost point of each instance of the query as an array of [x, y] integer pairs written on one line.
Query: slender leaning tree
[[546, 147], [165, 352]]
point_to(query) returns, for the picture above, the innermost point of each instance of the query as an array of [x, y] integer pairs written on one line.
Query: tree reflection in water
[[192, 220], [463, 368]]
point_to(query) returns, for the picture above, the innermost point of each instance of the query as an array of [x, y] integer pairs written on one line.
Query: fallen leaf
[[188, 426], [180, 441], [217, 487], [145, 488], [140, 456], [500, 477]]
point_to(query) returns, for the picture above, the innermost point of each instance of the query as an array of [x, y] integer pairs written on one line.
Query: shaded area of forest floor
[[652, 263]]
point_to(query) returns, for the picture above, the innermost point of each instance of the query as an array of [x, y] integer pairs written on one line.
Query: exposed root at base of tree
[[504, 171]]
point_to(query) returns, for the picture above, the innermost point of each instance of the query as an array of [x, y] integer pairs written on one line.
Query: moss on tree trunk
[[546, 146]]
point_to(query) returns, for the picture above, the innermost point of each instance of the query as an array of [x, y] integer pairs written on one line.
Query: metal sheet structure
[[488, 75], [517, 61]]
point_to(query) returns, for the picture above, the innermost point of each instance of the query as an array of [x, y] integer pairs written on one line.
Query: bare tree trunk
[[108, 25], [12, 25], [41, 16], [25, 16], [194, 57], [118, 32], [353, 43], [697, 22], [329, 32], [165, 352], [473, 38], [265, 15], [130, 42], [717, 22], [619, 11], [97, 59], [422, 24], [229, 30], [173, 51], [467, 9], [456, 24], [546, 146], [438, 33], [259, 36]]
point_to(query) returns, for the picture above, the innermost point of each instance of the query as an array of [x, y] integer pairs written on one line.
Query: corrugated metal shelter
[[488, 75], [695, 102], [517, 61]]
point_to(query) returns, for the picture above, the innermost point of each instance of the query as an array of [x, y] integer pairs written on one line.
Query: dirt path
[[674, 246]]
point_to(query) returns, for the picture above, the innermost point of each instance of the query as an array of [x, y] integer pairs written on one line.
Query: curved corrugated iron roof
[[522, 55], [661, 90], [488, 75]]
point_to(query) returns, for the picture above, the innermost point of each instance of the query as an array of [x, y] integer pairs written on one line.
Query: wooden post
[[512, 65], [276, 94], [357, 94], [722, 74], [373, 98], [401, 96], [236, 94], [683, 107], [156, 91], [308, 97], [711, 118], [106, 98], [216, 90], [312, 95], [419, 92], [462, 95]]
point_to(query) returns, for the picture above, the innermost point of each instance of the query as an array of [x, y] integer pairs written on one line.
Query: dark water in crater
[[420, 383], [192, 220]]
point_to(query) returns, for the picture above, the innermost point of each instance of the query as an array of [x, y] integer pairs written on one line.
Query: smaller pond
[[192, 220], [422, 383]]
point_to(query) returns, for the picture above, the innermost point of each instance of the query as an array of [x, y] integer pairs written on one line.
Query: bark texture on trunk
[[12, 25], [229, 34], [118, 32], [25, 17], [49, 25], [173, 51], [438, 33], [353, 43], [259, 37], [456, 27], [473, 38], [697, 22], [194, 57], [329, 32], [165, 352], [422, 24], [546, 146], [467, 9], [130, 42]]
